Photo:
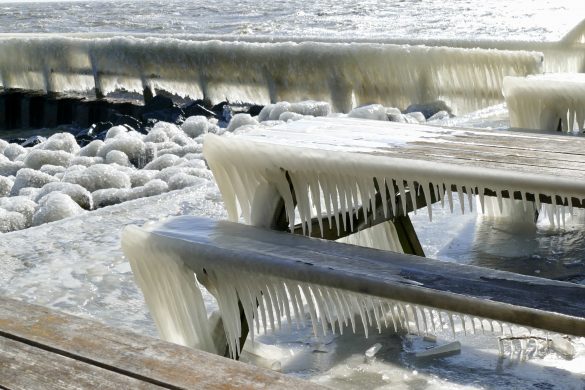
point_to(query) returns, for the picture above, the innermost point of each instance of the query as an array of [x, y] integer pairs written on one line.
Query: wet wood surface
[[45, 349]]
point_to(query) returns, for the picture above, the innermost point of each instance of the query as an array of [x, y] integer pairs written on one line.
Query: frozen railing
[[346, 74]]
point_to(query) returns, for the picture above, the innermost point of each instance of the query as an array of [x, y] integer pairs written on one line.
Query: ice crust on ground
[[339, 73]]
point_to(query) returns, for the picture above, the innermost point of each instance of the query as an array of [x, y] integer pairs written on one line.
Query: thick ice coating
[[340, 169], [340, 73], [546, 102]]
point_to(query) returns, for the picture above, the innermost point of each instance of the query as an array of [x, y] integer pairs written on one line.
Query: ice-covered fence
[[546, 102], [345, 74]]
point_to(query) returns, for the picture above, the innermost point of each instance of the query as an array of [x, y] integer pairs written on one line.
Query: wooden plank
[[165, 364], [25, 367], [505, 296]]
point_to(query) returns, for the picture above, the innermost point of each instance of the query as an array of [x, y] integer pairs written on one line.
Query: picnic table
[[347, 161]]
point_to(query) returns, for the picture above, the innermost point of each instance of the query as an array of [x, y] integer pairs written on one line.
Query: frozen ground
[[76, 265]]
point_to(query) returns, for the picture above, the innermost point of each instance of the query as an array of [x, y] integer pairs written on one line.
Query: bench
[[44, 349], [249, 268]]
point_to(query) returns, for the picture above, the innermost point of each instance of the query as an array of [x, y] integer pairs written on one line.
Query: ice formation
[[55, 206], [341, 73], [546, 102], [97, 175], [332, 184], [269, 301]]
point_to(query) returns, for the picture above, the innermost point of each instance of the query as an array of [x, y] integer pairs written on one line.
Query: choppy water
[[538, 20]]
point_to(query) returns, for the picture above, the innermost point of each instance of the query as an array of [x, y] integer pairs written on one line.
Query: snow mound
[[10, 168], [117, 157], [157, 136], [52, 169], [20, 204], [116, 131], [183, 180], [131, 146], [141, 177]]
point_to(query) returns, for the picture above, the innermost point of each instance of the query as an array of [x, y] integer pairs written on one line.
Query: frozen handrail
[[270, 272], [342, 73]]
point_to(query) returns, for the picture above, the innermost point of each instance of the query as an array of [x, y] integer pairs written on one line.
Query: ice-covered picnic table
[[327, 168]]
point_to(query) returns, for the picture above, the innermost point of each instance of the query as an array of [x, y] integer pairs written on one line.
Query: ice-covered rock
[[29, 192], [97, 177], [152, 188], [311, 107], [196, 125], [9, 168], [27, 177], [110, 196], [181, 139], [372, 111], [117, 157], [52, 169], [3, 145], [20, 204], [183, 180], [241, 120], [39, 157], [440, 115], [428, 109], [55, 206], [5, 185], [60, 142], [91, 149], [86, 161], [162, 162], [141, 177], [80, 195], [169, 128], [157, 136], [417, 116], [265, 112], [290, 116], [278, 109], [134, 148], [116, 131], [11, 221], [12, 151]]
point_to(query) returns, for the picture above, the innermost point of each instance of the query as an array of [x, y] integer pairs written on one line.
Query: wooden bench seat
[[205, 245], [44, 349]]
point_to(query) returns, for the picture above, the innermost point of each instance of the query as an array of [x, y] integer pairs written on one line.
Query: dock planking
[[45, 349]]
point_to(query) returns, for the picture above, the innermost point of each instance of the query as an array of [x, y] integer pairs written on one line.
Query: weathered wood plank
[[168, 365], [505, 296], [25, 367]]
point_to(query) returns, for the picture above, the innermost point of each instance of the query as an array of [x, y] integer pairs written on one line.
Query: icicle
[[412, 191], [450, 198], [400, 184], [392, 192], [427, 194], [312, 311], [470, 190], [481, 192], [383, 193], [461, 198], [452, 324]]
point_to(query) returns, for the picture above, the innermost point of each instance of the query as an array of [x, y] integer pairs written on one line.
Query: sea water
[[76, 265], [537, 20]]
